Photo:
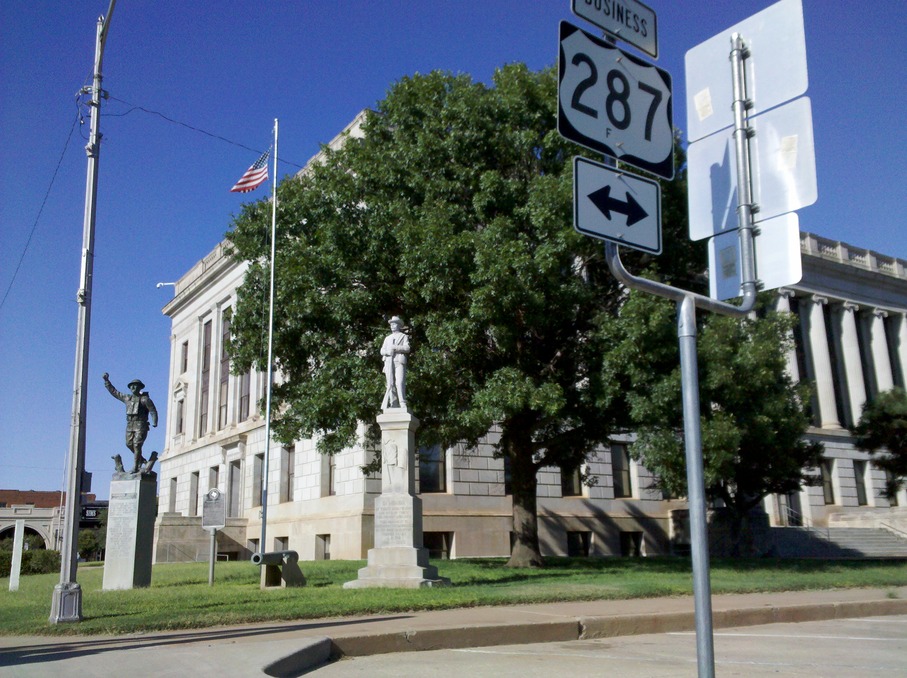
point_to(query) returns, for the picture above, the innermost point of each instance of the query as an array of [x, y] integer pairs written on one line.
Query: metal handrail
[[793, 514], [892, 528]]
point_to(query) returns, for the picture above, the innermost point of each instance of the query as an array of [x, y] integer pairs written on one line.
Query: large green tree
[[753, 416], [453, 211], [882, 431]]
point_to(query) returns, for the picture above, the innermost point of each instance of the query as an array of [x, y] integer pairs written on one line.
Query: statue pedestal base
[[398, 559], [130, 531]]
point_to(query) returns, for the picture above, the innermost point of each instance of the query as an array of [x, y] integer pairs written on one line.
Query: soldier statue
[[138, 409], [394, 351]]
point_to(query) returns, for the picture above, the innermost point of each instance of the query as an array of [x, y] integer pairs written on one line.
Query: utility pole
[[66, 605]]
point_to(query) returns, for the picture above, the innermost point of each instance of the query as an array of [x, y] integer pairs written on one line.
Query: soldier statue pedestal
[[130, 530], [398, 559]]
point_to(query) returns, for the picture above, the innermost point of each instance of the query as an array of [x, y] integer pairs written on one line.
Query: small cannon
[[279, 568]]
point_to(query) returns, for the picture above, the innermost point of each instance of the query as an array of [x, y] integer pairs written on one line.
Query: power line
[[135, 107], [37, 218]]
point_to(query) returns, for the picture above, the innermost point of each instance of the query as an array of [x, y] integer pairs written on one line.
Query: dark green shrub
[[40, 561], [34, 561]]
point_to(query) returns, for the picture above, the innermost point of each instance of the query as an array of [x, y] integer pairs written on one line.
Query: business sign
[[613, 205], [627, 20], [615, 103]]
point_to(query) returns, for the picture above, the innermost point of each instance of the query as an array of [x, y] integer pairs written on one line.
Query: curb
[[456, 638], [315, 652], [320, 651]]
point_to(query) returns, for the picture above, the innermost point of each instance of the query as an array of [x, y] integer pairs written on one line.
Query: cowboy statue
[[138, 408]]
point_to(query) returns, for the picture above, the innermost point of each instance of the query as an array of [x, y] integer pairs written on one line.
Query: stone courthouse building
[[851, 343]]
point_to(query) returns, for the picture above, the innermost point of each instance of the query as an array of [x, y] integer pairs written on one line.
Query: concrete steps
[[837, 542]]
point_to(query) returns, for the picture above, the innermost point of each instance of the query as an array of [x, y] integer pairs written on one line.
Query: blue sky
[[223, 71]]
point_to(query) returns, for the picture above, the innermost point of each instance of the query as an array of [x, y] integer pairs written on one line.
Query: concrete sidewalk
[[293, 648]]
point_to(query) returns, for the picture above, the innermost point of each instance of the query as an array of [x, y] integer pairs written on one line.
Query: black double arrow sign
[[606, 204]]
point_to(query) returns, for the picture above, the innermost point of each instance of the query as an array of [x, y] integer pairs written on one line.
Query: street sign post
[[627, 20], [616, 206], [614, 103], [214, 518]]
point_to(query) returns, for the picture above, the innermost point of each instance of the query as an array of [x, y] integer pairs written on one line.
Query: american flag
[[254, 177]]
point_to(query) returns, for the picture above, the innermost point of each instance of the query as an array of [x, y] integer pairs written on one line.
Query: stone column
[[821, 359], [18, 546], [398, 559], [879, 345], [853, 366], [782, 305]]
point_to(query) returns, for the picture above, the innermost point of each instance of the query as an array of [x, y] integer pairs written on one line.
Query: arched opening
[[32, 539]]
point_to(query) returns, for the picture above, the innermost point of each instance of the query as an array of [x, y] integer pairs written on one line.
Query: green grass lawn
[[179, 596]]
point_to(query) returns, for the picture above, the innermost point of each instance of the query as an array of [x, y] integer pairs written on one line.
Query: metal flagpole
[[264, 479], [66, 604]]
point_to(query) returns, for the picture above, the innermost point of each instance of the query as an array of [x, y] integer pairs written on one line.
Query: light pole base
[[66, 605]]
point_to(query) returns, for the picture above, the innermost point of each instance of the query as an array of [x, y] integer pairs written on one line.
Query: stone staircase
[[837, 542]]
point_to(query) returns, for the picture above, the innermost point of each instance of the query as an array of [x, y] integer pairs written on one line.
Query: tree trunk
[[525, 551]]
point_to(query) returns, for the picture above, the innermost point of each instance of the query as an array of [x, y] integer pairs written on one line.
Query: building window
[[508, 477], [235, 471], [171, 504], [893, 498], [322, 547], [826, 468], [859, 474], [245, 384], [620, 471], [438, 544], [258, 465], [631, 544], [184, 357], [193, 494], [214, 477], [204, 391], [578, 544], [281, 543], [180, 419], [332, 475], [432, 469], [287, 472], [224, 381], [571, 482]]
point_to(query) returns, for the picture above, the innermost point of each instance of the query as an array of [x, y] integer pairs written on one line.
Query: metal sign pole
[[699, 538], [686, 335], [212, 556]]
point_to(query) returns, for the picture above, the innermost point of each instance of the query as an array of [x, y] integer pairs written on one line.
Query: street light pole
[[66, 605]]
